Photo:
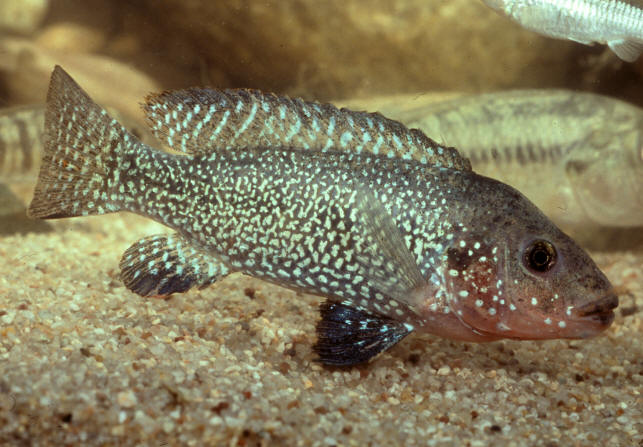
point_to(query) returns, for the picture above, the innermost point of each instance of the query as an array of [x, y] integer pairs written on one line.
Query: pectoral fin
[[386, 261]]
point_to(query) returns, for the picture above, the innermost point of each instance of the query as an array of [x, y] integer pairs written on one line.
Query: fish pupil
[[540, 256]]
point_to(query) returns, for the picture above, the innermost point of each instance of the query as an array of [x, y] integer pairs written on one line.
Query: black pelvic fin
[[165, 264], [349, 336]]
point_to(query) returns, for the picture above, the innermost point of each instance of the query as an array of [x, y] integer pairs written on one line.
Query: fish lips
[[597, 315]]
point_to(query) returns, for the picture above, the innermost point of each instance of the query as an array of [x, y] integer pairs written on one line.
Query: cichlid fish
[[577, 156], [396, 231], [21, 140], [618, 23]]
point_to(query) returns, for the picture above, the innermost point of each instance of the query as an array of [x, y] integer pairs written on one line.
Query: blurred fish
[[396, 231], [618, 23], [577, 156], [21, 140]]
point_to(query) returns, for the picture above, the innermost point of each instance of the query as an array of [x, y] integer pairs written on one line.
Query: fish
[[22, 140], [395, 232], [21, 149], [578, 156], [617, 23]]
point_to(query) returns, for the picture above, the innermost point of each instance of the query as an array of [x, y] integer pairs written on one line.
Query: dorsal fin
[[199, 121]]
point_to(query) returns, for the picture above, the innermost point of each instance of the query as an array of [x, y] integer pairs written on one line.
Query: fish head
[[523, 278], [606, 174]]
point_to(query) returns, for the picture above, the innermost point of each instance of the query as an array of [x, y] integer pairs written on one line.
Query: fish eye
[[540, 256]]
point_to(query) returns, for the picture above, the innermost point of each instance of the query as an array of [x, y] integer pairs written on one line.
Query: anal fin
[[165, 264], [348, 336]]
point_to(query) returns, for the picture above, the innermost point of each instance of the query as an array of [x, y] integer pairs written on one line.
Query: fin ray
[[165, 264], [81, 147], [349, 336], [198, 121], [388, 263], [627, 50]]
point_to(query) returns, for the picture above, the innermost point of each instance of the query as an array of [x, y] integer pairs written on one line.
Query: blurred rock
[[25, 69], [68, 36], [355, 48], [22, 16]]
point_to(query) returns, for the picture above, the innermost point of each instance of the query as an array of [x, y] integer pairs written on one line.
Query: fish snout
[[598, 312], [599, 306]]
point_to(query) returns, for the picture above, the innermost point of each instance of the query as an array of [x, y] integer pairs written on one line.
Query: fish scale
[[618, 23], [394, 243]]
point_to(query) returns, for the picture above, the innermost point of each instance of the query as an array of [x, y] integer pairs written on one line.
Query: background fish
[[394, 230], [577, 156], [618, 23], [21, 135]]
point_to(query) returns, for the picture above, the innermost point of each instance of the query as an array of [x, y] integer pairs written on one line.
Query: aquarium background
[[83, 361]]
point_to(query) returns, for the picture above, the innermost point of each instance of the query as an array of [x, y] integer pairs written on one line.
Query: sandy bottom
[[85, 362]]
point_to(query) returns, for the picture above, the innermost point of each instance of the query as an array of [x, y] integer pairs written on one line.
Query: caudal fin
[[82, 149]]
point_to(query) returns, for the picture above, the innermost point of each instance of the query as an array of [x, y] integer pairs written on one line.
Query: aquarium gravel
[[84, 361]]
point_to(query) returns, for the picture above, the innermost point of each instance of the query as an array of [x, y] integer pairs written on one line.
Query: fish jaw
[[436, 317], [491, 293]]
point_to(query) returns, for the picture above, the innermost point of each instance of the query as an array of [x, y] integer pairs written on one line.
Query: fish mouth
[[601, 306], [598, 314]]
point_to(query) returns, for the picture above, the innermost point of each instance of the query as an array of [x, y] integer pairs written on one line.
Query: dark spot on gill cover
[[458, 258]]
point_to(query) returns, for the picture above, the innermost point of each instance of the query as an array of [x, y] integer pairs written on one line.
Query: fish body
[[396, 231], [577, 156], [617, 23]]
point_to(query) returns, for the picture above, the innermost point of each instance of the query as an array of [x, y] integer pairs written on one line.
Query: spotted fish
[[394, 230], [618, 23], [21, 140]]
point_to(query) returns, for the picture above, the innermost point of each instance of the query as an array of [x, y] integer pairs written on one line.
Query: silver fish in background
[[577, 156], [396, 231], [617, 23]]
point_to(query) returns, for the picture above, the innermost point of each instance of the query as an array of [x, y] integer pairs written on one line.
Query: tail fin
[[82, 148]]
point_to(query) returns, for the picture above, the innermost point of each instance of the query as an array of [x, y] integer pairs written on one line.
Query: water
[[84, 361]]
